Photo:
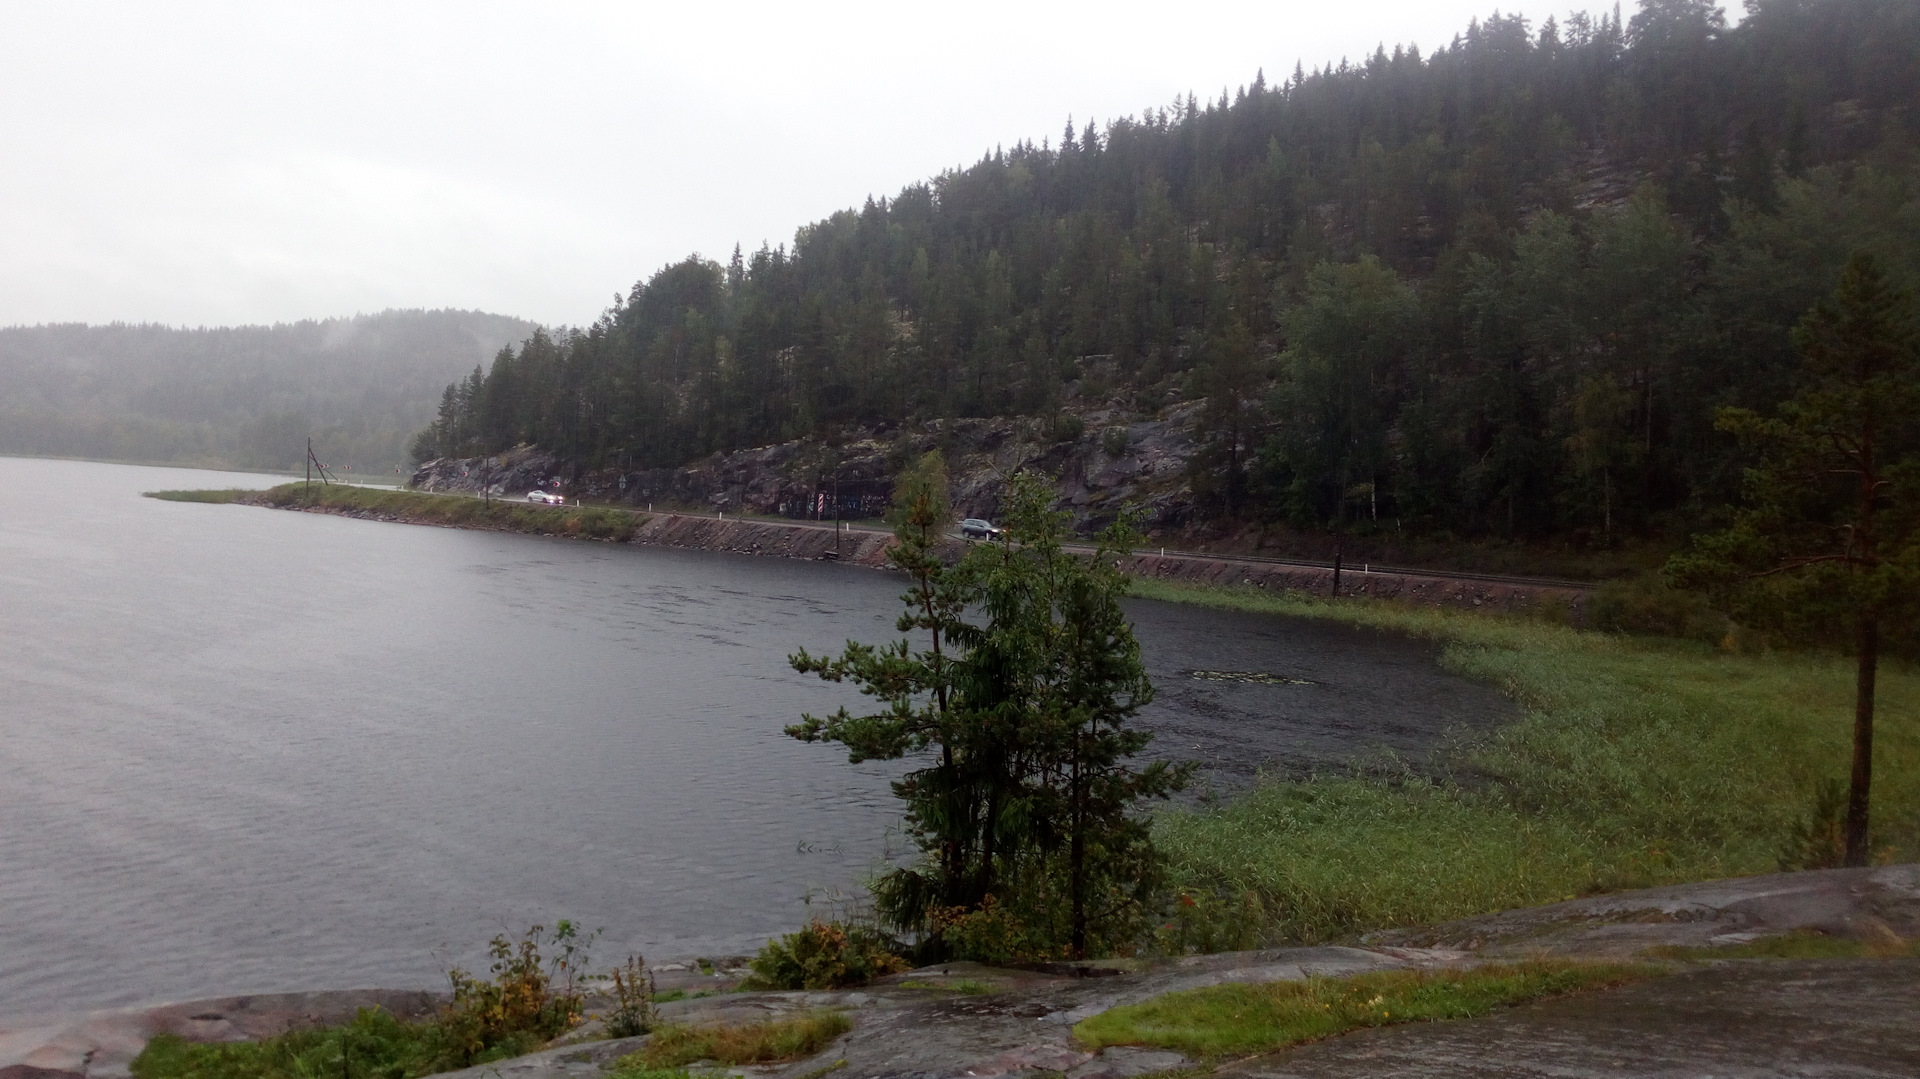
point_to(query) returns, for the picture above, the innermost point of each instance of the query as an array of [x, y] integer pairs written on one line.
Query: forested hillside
[[246, 396], [1498, 290]]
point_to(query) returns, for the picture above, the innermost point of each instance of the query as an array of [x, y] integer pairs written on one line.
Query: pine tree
[[1026, 802], [1828, 545], [1055, 617], [921, 711]]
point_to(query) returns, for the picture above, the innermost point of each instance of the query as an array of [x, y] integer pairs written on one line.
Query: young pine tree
[[918, 712], [1055, 622], [1827, 546], [1024, 805]]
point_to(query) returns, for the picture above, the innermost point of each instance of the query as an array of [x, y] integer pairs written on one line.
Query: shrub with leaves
[[992, 933], [529, 1000], [1648, 604], [824, 955]]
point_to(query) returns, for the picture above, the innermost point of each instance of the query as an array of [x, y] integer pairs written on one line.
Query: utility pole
[[314, 465]]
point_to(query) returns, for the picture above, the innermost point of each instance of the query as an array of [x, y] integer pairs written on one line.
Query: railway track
[[1304, 563], [1381, 567]]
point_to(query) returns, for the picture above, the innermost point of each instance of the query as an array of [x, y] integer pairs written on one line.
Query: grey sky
[[253, 162]]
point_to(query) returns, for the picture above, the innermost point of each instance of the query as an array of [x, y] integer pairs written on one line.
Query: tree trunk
[[1077, 858], [1857, 852]]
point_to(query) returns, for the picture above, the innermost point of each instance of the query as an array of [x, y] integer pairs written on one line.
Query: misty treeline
[[1501, 289], [243, 396]]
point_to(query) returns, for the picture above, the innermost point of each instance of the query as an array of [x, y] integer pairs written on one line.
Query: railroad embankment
[[868, 547]]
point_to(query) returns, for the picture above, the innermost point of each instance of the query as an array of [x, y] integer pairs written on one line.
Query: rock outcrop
[[1101, 462], [1744, 1017]]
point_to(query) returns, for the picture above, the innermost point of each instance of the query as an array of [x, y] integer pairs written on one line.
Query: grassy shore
[[1637, 762], [457, 511]]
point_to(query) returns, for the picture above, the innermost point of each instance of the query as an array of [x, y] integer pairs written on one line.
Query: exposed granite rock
[[1726, 1017], [512, 473], [803, 479], [1853, 1018], [1857, 903]]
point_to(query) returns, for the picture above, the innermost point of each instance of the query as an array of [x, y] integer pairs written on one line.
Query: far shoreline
[[811, 541]]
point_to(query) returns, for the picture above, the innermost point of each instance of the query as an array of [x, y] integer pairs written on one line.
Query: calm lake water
[[245, 750]]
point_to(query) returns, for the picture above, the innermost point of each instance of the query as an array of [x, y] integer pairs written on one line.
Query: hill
[[1496, 291], [241, 396]]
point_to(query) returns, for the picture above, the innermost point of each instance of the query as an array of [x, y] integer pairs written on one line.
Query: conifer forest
[[1499, 289]]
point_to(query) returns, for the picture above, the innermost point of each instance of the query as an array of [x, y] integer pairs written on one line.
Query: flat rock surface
[[1838, 902], [1730, 1020], [1719, 1018]]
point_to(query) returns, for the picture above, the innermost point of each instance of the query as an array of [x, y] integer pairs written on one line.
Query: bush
[[528, 1000], [1113, 441], [824, 955], [1647, 605], [632, 1013], [990, 933], [1068, 427]]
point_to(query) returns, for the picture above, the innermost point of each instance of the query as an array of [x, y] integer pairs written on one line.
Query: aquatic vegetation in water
[[1258, 678]]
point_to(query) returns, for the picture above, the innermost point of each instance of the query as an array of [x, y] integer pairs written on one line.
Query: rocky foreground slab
[[1717, 1017]]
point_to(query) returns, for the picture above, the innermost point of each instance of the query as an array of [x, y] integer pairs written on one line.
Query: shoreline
[[867, 547], [1682, 935]]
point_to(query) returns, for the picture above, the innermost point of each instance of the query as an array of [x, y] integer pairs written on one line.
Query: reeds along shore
[[1638, 761]]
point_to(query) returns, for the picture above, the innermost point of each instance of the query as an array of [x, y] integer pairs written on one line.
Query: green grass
[[218, 498], [965, 986], [1803, 945], [1636, 762], [1229, 1020], [459, 511], [674, 1045], [375, 1044]]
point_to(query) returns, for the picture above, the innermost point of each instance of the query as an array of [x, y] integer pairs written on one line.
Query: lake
[[247, 750]]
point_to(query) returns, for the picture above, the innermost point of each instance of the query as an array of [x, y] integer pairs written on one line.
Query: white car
[[549, 499]]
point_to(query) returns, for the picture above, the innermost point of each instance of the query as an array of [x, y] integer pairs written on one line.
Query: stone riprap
[[1858, 1018]]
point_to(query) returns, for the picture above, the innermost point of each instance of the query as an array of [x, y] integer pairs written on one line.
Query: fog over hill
[[239, 396]]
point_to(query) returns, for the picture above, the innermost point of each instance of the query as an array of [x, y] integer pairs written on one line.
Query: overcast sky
[[203, 164]]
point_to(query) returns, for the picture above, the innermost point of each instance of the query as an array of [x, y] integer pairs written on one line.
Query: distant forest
[[1499, 289], [246, 396]]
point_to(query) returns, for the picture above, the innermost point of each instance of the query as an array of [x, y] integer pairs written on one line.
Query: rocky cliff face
[[1099, 463]]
